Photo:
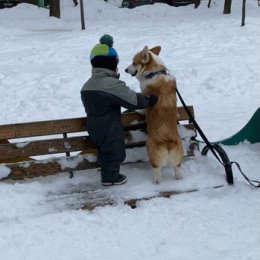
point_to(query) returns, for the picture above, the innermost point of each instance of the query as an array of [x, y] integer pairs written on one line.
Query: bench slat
[[11, 151], [42, 128], [189, 151], [46, 145], [34, 169], [15, 152], [70, 125], [52, 127]]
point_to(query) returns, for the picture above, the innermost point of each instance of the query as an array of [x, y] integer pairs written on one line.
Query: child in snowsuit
[[103, 95]]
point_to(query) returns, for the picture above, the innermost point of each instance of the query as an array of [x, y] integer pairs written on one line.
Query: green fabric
[[99, 50], [43, 3], [250, 132]]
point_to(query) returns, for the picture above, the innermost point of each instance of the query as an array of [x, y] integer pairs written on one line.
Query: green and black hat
[[103, 55]]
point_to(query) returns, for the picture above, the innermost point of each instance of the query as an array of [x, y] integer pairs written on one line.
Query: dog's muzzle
[[133, 73]]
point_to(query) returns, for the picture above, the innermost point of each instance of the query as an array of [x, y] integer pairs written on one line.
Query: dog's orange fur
[[162, 123], [164, 144]]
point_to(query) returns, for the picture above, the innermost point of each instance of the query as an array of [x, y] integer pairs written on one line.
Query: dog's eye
[[134, 64]]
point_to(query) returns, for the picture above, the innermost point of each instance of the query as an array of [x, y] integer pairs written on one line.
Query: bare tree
[[227, 7], [243, 13], [55, 8], [82, 15]]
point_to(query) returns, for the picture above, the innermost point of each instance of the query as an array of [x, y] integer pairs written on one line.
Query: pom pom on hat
[[107, 39], [103, 55]]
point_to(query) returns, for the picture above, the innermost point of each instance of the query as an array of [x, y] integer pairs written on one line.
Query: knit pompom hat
[[103, 55]]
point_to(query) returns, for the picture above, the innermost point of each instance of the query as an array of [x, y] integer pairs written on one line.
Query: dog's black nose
[[126, 70]]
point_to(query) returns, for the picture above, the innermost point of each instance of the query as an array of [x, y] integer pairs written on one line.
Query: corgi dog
[[164, 145]]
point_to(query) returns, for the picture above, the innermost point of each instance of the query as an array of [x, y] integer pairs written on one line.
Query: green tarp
[[250, 132]]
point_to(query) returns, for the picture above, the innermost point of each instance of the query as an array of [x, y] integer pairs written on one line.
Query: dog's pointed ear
[[145, 55], [156, 50]]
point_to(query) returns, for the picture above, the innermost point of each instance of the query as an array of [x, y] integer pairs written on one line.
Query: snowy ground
[[44, 63]]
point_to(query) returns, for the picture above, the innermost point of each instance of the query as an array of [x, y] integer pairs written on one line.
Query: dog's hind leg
[[157, 175], [176, 156], [178, 175]]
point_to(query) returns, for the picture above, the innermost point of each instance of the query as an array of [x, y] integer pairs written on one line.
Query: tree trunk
[[82, 15], [227, 7], [55, 8], [197, 3], [243, 13]]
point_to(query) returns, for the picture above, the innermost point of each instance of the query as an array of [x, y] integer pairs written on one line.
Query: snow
[[4, 171], [44, 63]]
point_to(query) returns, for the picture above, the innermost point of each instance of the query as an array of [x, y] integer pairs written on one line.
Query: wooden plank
[[42, 128], [34, 169], [192, 147], [45, 147], [182, 114], [16, 152], [71, 125], [31, 169], [190, 151], [128, 118], [11, 153], [51, 127], [133, 202]]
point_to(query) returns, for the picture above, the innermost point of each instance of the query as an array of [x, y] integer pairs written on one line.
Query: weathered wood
[[52, 127], [190, 151], [70, 125], [53, 146], [42, 128], [133, 202], [52, 166], [22, 152], [25, 168]]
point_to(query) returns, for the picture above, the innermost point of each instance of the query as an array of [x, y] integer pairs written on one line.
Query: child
[[103, 95]]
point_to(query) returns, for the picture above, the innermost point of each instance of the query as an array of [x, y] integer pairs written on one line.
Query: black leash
[[217, 150], [251, 182]]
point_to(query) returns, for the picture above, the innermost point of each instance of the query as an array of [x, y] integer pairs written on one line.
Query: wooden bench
[[176, 3], [47, 147]]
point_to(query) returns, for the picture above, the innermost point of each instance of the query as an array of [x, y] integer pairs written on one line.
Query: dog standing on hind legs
[[164, 145]]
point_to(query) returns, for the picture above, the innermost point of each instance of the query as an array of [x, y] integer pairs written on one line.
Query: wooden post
[[55, 8], [227, 7], [82, 15], [243, 13], [65, 137], [197, 3]]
